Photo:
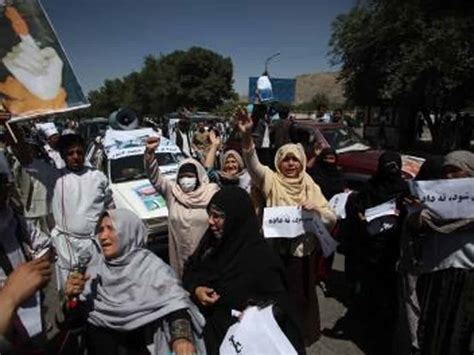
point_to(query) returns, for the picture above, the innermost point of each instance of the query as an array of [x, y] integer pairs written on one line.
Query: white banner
[[449, 199], [388, 208], [119, 144], [291, 222], [338, 204]]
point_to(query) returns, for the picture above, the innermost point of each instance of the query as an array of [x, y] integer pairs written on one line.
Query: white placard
[[257, 332], [338, 204], [449, 199], [284, 222], [292, 222], [388, 208]]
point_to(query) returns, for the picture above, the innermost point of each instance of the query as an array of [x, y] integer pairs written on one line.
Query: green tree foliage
[[417, 55], [320, 101], [197, 78]]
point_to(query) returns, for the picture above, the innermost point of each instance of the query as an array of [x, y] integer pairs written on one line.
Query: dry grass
[[308, 85]]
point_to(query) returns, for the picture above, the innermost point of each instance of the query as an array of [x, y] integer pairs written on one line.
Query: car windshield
[[131, 168], [343, 139]]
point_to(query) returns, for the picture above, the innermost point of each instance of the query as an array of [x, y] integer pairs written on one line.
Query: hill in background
[[308, 85]]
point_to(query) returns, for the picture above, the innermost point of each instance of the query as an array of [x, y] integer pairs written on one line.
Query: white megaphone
[[123, 119]]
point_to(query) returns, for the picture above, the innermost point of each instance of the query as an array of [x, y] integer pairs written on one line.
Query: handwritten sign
[[449, 199], [338, 204], [285, 222], [292, 222], [257, 332], [388, 208]]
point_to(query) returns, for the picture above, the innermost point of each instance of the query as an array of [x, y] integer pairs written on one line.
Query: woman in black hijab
[[373, 249], [234, 266], [386, 184], [326, 174]]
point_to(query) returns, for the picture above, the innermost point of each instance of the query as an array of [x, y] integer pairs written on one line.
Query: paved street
[[332, 309]]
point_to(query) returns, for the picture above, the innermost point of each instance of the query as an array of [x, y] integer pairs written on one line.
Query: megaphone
[[123, 119]]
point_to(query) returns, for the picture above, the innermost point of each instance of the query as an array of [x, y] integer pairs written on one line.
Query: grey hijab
[[463, 160], [137, 287]]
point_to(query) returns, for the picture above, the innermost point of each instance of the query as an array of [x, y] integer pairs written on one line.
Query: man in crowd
[[20, 310], [51, 135], [79, 195], [201, 139]]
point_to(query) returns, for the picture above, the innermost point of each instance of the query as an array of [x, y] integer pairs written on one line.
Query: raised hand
[[244, 121], [214, 138], [152, 143]]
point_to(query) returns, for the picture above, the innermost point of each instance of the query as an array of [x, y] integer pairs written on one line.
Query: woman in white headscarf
[[135, 304], [186, 199], [232, 167]]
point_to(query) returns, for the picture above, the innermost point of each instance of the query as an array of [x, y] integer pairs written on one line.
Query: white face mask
[[188, 184]]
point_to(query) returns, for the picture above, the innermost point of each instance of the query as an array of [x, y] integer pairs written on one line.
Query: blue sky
[[109, 38]]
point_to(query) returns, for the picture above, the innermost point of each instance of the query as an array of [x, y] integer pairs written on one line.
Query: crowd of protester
[[410, 274]]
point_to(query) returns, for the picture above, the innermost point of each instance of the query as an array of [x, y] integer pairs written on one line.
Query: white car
[[122, 163]]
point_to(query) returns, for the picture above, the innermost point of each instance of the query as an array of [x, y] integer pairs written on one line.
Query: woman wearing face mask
[[290, 185], [232, 170], [233, 266], [446, 322], [134, 304], [186, 201]]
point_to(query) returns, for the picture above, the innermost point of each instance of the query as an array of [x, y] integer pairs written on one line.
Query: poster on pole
[[36, 77], [449, 199]]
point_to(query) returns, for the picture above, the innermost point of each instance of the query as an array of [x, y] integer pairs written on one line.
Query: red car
[[357, 159]]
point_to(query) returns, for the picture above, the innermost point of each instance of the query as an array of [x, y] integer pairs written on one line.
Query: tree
[[320, 101], [197, 78], [416, 55]]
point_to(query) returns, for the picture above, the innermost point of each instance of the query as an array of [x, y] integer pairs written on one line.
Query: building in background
[[283, 89]]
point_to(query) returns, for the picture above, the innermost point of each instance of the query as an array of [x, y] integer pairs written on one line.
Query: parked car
[[357, 159], [91, 128], [120, 157]]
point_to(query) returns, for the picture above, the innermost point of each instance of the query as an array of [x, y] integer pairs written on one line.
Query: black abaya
[[241, 268]]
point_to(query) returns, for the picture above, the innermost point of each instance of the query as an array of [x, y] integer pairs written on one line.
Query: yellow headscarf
[[282, 191]]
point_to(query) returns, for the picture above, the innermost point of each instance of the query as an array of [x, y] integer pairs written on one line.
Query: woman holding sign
[[233, 268], [372, 234], [447, 311], [290, 185]]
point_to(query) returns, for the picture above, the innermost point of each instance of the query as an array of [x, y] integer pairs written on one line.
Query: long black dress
[[373, 251], [240, 267]]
